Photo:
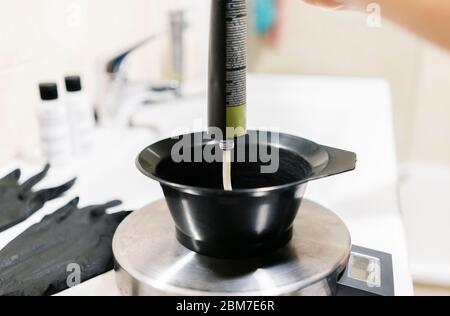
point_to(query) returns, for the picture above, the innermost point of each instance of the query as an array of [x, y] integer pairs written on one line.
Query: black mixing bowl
[[257, 216]]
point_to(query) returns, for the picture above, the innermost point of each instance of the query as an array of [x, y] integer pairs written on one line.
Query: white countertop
[[353, 114]]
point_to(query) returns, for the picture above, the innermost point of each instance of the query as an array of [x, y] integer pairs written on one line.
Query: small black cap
[[48, 91], [73, 83]]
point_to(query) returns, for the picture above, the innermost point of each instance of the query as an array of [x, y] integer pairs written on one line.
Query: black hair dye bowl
[[257, 216]]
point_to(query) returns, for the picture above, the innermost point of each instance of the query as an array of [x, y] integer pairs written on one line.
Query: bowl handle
[[339, 161]]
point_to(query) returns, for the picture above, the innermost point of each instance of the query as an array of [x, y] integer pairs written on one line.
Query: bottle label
[[236, 64], [236, 54]]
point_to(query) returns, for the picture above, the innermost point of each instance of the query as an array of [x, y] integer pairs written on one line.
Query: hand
[[430, 19], [18, 202], [340, 4], [332, 4], [36, 263]]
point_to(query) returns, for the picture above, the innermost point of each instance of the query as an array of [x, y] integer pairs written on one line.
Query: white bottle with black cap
[[81, 115], [53, 125]]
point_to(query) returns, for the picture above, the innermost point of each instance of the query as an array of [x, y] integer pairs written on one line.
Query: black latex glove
[[18, 202], [36, 263]]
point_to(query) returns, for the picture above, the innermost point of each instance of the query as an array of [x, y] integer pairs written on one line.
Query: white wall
[[431, 134]]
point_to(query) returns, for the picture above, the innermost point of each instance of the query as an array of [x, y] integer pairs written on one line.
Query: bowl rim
[[194, 190]]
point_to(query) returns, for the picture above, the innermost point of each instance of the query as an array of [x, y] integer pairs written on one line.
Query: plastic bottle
[[53, 125], [81, 115], [228, 67]]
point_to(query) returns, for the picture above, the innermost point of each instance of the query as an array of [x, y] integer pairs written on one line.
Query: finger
[[66, 210], [27, 185], [12, 177], [119, 216], [331, 4], [39, 198], [53, 193], [99, 210], [112, 204]]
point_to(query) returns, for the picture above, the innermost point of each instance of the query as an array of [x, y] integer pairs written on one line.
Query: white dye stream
[[227, 150]]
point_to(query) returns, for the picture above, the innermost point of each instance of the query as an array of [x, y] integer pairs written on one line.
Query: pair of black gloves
[[69, 246]]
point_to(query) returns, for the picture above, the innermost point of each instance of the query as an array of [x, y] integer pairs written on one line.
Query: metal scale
[[319, 260]]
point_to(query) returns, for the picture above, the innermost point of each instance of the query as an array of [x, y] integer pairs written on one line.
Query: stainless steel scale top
[[150, 261]]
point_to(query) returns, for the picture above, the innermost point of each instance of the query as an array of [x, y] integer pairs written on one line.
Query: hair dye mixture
[[227, 147]]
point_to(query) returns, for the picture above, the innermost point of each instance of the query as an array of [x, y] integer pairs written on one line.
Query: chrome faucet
[[177, 26], [124, 96]]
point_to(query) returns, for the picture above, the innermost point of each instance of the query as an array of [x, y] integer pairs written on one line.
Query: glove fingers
[[12, 177], [119, 216], [53, 193], [64, 211], [112, 204], [27, 185], [39, 198], [99, 210]]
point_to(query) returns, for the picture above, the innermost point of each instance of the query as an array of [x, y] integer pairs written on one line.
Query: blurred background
[[42, 40]]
